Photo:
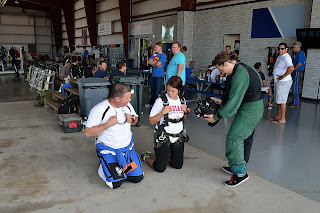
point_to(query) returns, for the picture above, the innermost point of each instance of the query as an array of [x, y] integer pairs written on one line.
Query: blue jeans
[[156, 88]]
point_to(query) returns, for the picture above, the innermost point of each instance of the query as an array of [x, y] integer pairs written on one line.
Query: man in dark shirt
[[74, 69], [121, 68], [258, 66], [101, 72]]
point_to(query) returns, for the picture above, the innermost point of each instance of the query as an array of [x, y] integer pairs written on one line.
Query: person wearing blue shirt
[[157, 61], [121, 68], [189, 71], [177, 65], [85, 56], [101, 72], [297, 75]]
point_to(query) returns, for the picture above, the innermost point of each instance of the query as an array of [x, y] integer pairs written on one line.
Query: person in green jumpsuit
[[244, 100]]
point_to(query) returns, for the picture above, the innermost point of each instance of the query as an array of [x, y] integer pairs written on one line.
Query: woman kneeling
[[168, 113]]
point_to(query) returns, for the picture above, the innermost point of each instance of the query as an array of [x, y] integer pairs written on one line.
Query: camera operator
[[244, 98]]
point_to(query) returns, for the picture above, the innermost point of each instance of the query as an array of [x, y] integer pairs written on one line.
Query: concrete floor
[[286, 154], [46, 170]]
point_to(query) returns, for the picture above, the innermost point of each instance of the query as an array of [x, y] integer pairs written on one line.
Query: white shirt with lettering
[[176, 112]]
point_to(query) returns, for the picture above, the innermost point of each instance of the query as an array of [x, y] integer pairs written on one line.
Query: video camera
[[207, 106]]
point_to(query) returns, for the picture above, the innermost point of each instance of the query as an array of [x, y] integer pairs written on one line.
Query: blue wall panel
[[263, 25], [278, 21]]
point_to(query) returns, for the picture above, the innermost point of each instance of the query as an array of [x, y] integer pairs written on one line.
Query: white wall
[[210, 26], [108, 11], [22, 27], [43, 35]]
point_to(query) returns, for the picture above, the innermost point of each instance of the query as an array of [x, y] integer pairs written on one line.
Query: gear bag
[[69, 105]]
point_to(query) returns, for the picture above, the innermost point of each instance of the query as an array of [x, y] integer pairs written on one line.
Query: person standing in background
[[184, 49], [177, 65], [282, 82], [157, 61], [85, 57], [299, 61]]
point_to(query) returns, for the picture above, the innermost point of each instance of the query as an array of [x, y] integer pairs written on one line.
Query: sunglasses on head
[[281, 48]]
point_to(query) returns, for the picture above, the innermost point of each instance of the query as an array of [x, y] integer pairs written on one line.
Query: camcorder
[[207, 107]]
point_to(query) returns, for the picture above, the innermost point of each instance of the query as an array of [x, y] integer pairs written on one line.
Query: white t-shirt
[[281, 66], [117, 136], [96, 53], [176, 112], [214, 74]]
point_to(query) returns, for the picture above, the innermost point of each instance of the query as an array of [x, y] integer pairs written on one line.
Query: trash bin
[[91, 92], [136, 85]]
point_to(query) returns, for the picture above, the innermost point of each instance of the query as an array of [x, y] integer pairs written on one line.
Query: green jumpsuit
[[248, 115]]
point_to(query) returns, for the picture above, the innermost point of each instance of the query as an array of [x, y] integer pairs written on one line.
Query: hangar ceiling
[[53, 8]]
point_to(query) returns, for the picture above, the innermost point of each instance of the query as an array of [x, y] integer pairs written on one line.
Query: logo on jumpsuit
[[118, 170]]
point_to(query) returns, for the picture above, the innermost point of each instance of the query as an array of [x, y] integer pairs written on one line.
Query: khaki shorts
[[282, 89]]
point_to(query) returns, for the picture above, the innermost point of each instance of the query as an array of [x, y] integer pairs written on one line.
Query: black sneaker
[[145, 155], [227, 170], [235, 180]]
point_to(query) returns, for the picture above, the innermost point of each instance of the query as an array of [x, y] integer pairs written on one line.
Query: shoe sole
[[238, 183], [226, 171]]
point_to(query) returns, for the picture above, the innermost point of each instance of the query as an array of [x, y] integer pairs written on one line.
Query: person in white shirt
[[215, 73], [111, 122], [282, 82], [168, 113]]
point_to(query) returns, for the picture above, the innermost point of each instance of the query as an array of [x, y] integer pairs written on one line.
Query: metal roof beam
[[69, 20], [90, 8], [57, 26], [125, 18], [189, 5]]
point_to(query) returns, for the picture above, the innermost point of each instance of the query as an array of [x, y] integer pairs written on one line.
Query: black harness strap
[[105, 112], [166, 116]]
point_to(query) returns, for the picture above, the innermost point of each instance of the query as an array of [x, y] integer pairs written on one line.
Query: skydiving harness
[[160, 134], [105, 112], [123, 156]]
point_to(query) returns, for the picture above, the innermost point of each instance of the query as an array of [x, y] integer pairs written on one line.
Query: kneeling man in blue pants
[[111, 122]]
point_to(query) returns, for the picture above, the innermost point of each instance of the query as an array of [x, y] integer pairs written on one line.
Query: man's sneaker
[[235, 180], [145, 155], [227, 170], [148, 105]]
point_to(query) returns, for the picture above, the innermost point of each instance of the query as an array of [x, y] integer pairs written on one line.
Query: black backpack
[[74, 71], [69, 105]]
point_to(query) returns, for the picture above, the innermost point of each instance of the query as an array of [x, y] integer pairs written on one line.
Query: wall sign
[[104, 28], [141, 27]]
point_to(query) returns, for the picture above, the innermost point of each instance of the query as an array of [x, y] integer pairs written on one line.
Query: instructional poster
[[104, 29]]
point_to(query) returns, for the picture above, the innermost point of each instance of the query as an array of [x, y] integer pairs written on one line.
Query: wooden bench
[[73, 82], [58, 96], [72, 90], [54, 104]]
